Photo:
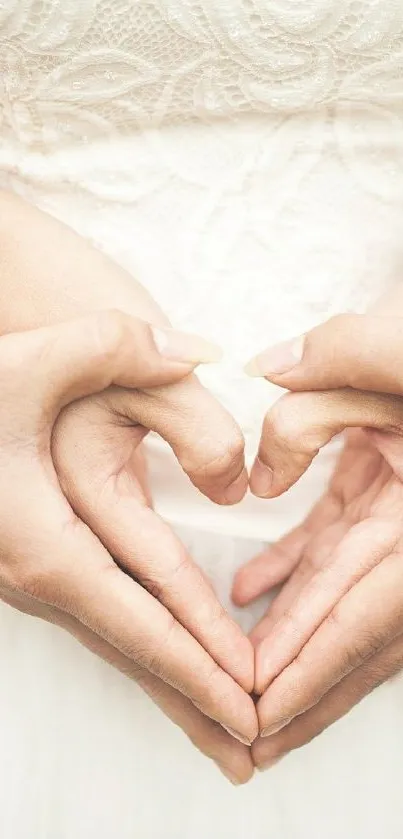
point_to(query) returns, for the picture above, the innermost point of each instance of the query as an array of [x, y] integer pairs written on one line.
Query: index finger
[[232, 758], [364, 546], [359, 626], [206, 440], [141, 542], [84, 581]]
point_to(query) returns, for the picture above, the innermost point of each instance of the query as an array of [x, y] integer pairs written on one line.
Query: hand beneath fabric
[[335, 631], [50, 274]]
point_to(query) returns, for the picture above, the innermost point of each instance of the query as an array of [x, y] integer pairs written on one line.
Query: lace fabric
[[74, 70], [243, 158]]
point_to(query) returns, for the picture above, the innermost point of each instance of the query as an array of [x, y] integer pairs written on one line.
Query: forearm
[[49, 273]]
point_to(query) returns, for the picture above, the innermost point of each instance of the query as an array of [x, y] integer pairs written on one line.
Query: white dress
[[244, 159]]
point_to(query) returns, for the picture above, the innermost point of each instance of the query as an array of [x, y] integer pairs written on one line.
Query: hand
[[49, 273], [335, 631]]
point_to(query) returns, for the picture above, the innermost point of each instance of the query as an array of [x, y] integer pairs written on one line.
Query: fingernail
[[185, 347], [229, 775], [261, 479], [275, 727], [278, 359], [240, 737], [236, 491], [269, 763]]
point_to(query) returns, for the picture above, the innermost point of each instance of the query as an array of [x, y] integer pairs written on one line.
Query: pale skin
[[343, 567], [49, 274]]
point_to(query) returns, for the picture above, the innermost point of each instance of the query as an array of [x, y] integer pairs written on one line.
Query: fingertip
[[238, 714], [236, 596], [239, 591], [237, 490], [263, 481], [244, 588], [241, 768]]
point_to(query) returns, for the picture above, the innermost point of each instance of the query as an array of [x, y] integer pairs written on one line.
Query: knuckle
[[153, 586], [217, 617], [155, 658], [35, 580], [313, 559], [291, 621], [134, 671], [224, 461], [161, 584], [215, 690], [292, 426], [179, 570], [358, 649], [288, 420], [366, 646], [235, 448], [371, 678], [304, 692]]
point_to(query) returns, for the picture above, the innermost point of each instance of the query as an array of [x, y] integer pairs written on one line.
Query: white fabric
[[85, 755], [244, 159]]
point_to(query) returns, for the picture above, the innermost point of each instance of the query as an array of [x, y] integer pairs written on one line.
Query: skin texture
[[49, 274], [342, 567]]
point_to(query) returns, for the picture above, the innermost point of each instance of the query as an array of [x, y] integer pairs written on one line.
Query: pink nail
[[278, 359], [182, 346], [240, 737], [261, 479]]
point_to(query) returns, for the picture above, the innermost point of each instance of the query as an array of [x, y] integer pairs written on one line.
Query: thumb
[[48, 368], [300, 424], [359, 351]]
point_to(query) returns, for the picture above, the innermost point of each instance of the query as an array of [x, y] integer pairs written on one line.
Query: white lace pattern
[[243, 157]]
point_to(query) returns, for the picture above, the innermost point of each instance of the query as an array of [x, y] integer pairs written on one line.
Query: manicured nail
[[240, 737], [275, 727], [185, 347], [261, 479], [269, 763], [278, 359]]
